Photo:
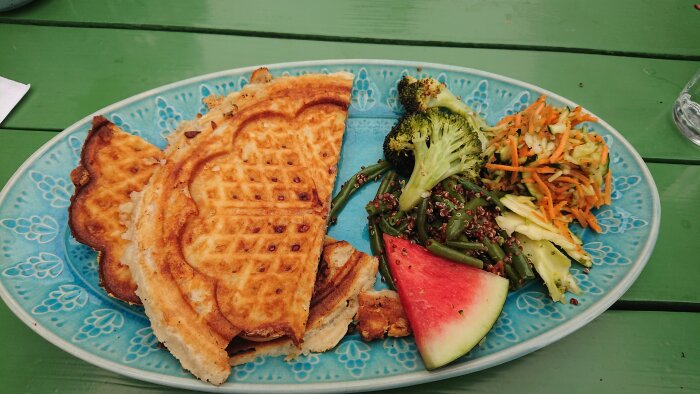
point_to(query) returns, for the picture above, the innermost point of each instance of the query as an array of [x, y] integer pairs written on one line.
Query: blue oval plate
[[50, 281]]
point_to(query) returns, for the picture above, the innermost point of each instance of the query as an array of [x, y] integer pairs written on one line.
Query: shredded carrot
[[544, 213], [562, 228], [558, 207], [598, 196], [514, 157], [546, 170], [524, 151], [550, 208], [604, 155], [590, 218], [492, 166], [540, 216], [569, 190], [584, 179], [579, 193], [580, 217], [542, 186], [568, 179], [560, 148]]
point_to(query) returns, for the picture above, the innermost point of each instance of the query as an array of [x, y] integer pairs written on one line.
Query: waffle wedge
[[343, 274], [226, 236], [113, 164]]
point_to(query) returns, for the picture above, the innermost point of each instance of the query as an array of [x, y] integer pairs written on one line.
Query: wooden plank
[[16, 146], [663, 356], [668, 276], [643, 27], [75, 71], [673, 270]]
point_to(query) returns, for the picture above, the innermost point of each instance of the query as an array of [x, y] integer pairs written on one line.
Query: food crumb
[[573, 301], [192, 133]]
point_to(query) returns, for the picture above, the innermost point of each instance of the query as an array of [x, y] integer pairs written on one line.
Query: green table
[[624, 60]]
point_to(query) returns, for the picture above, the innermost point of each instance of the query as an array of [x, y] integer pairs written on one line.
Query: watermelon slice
[[450, 306]]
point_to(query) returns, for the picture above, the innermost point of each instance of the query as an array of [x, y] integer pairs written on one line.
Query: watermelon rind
[[458, 338]]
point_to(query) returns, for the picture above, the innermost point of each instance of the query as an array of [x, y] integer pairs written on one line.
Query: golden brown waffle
[[113, 164], [227, 235], [343, 274]]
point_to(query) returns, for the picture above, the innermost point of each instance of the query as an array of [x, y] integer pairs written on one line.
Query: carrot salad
[[541, 152]]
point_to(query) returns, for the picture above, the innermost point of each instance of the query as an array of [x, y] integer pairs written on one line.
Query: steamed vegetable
[[353, 184], [552, 266], [443, 144], [418, 95], [525, 219]]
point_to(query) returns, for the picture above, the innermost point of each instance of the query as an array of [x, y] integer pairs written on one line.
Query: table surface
[[623, 60]]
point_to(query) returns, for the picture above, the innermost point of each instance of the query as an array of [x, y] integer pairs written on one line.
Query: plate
[[50, 281]]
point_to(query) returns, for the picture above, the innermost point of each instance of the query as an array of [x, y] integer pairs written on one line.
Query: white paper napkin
[[10, 94]]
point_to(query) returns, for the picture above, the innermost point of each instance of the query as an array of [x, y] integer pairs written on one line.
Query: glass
[[686, 109]]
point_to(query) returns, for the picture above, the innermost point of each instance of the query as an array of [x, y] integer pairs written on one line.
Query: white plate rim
[[411, 378]]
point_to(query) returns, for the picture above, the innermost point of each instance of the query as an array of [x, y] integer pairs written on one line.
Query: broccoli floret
[[422, 94], [442, 144], [402, 160]]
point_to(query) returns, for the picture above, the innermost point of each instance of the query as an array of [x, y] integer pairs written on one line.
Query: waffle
[[226, 236], [343, 274], [113, 164]]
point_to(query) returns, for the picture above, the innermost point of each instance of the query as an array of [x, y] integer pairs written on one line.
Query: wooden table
[[624, 60]]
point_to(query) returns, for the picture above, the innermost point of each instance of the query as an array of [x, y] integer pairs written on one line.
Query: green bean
[[397, 218], [375, 239], [385, 186], [400, 220], [421, 219], [466, 245], [469, 206], [441, 250], [518, 259], [354, 184], [385, 272], [377, 245], [494, 250], [463, 238], [455, 226], [375, 207], [475, 203], [493, 199], [522, 266], [387, 228], [379, 205], [512, 276], [450, 185], [448, 204], [403, 226]]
